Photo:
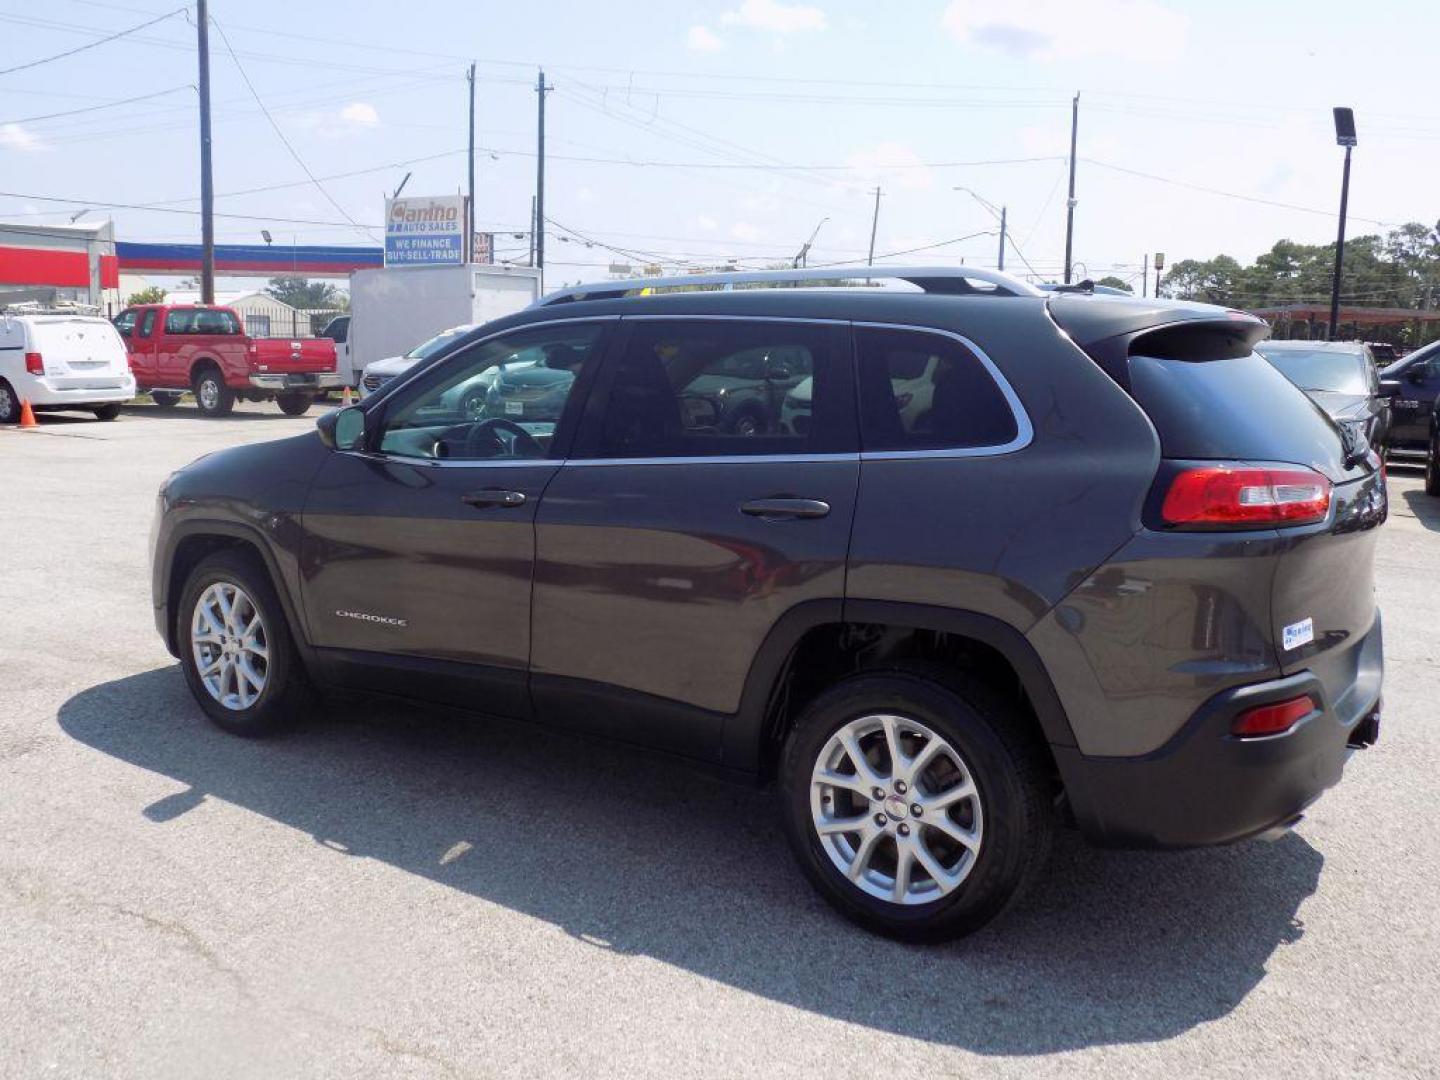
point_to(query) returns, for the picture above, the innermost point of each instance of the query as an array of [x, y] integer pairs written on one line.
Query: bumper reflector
[[1272, 719]]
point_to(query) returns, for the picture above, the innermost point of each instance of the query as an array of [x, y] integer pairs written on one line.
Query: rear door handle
[[494, 497], [785, 508]]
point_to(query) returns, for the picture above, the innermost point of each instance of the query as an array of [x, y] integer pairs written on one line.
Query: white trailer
[[394, 309]]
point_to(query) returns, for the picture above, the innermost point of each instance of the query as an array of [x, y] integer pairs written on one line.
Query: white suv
[[62, 361]]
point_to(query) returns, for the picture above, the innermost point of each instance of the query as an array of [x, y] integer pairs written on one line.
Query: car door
[[142, 348], [670, 543], [1412, 389], [419, 549]]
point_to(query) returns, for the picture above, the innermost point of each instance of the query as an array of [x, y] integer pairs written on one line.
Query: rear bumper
[[43, 392], [299, 383], [1205, 786]]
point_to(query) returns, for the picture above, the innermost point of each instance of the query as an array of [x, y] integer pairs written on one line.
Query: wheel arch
[[816, 642], [192, 542], [203, 361]]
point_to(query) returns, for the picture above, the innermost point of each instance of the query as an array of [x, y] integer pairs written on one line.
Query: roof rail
[[941, 280]]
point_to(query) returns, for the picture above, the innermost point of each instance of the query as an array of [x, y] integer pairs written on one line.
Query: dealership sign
[[425, 232]]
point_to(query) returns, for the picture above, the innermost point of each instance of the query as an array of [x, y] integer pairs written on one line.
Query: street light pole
[[1344, 136], [1003, 211]]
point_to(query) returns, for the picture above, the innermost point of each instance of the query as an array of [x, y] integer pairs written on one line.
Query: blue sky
[[695, 132]]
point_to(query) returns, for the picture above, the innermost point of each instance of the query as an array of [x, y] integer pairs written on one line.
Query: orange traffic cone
[[27, 415], [345, 399]]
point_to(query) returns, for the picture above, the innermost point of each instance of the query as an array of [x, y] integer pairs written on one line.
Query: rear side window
[[719, 387], [1238, 408], [928, 391]]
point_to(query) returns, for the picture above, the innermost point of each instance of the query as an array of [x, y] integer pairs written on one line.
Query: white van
[[61, 361]]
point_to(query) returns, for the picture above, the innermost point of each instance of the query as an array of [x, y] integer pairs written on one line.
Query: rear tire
[[294, 404], [230, 697], [165, 399], [9, 404], [107, 412], [980, 850], [213, 397]]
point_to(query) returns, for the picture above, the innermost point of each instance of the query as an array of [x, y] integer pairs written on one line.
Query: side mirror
[[1418, 374], [777, 373], [342, 429]]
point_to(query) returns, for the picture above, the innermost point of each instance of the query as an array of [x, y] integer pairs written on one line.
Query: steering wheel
[[522, 444]]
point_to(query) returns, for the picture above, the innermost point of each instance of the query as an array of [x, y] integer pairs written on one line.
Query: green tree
[[151, 295], [301, 292], [1115, 283]]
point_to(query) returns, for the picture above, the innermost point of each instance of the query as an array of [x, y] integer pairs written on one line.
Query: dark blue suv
[[1031, 558]]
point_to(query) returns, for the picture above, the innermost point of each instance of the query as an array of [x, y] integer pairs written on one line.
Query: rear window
[[1239, 408], [201, 321], [1321, 369], [82, 338]]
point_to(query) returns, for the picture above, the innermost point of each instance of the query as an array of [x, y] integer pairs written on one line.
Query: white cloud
[[360, 112], [1062, 30], [891, 165], [743, 230], [760, 204], [706, 223], [775, 16], [15, 137], [703, 39]]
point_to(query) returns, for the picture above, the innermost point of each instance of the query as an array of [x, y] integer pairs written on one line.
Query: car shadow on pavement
[[242, 411], [1426, 508], [646, 857]]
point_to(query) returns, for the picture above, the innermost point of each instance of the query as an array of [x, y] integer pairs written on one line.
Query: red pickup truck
[[174, 348]]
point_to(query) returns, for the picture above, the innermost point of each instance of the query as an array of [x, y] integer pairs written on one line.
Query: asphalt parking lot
[[400, 892]]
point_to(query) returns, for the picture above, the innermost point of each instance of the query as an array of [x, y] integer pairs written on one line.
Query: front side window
[[927, 391], [698, 388], [125, 323], [500, 399]]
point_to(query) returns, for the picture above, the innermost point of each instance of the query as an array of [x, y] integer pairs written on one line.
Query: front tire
[[107, 412], [917, 806], [213, 397], [294, 404], [1432, 468], [165, 399], [235, 646]]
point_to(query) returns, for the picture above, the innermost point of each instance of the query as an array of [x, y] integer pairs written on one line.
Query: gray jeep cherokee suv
[[1106, 566]]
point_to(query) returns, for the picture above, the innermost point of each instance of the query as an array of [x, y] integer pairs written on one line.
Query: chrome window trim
[[1024, 430]]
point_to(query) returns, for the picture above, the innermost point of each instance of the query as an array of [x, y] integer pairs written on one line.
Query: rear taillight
[[1272, 719], [1245, 496], [34, 363]]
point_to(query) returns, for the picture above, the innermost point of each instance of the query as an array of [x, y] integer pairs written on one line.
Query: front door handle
[[494, 497], [785, 508]]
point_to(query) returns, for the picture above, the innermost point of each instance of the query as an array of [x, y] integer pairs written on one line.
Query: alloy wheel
[[209, 393], [8, 410], [896, 808], [231, 646]]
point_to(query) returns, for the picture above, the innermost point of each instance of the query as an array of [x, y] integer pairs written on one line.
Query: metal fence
[[294, 323]]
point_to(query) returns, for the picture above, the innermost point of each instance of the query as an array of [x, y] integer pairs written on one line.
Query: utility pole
[[1070, 203], [1344, 136], [469, 245], [1003, 211], [1144, 275], [874, 224], [532, 230], [539, 230], [207, 183]]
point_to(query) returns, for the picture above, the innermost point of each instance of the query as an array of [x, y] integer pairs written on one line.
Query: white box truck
[[395, 309]]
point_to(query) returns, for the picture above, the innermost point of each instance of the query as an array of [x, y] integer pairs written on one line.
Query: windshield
[[436, 343], [1320, 369]]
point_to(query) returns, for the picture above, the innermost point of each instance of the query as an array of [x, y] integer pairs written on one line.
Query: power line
[[97, 108], [281, 134], [91, 45]]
